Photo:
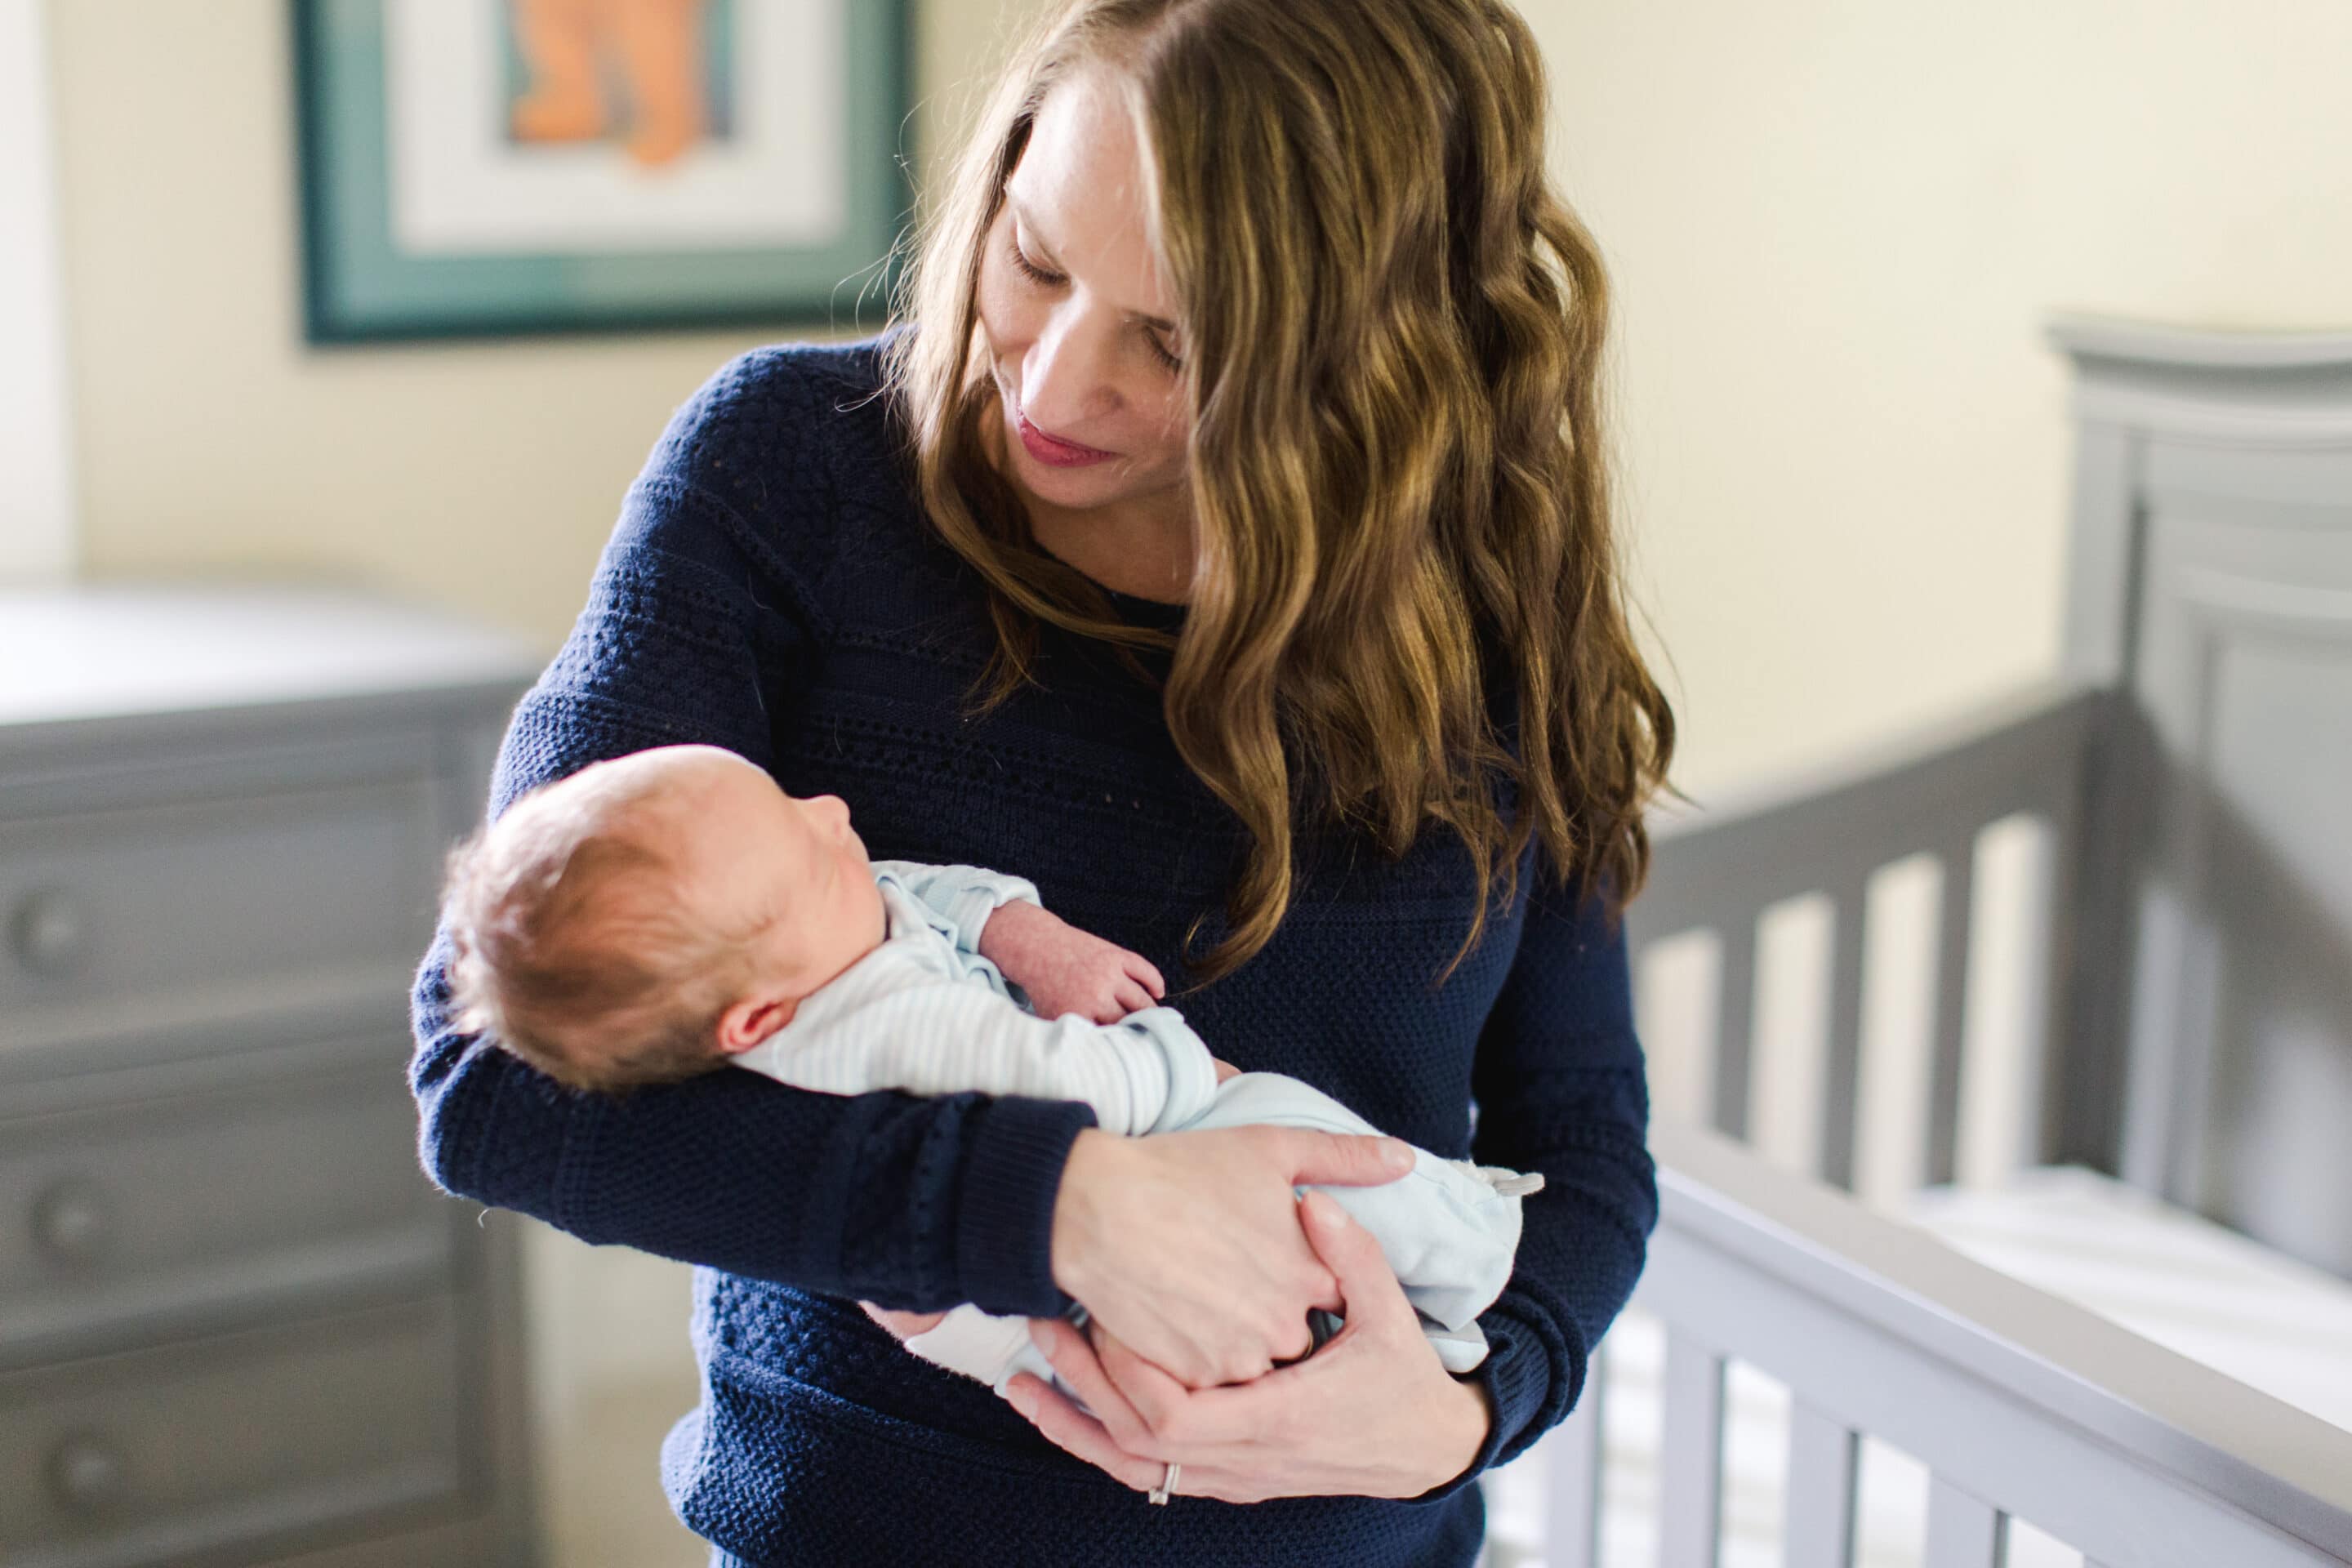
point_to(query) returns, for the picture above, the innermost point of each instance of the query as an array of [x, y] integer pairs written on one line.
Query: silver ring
[[1167, 1484]]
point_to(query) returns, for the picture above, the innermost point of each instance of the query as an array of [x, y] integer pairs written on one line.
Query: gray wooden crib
[[2182, 1021]]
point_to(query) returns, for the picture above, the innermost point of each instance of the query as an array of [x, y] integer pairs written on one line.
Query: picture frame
[[463, 174]]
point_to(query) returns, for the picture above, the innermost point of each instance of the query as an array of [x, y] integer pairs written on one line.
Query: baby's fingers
[[1131, 997]]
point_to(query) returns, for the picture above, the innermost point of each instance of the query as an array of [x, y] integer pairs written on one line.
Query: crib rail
[[2019, 1405], [1720, 869]]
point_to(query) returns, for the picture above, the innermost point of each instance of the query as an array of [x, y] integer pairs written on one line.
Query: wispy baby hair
[[571, 947]]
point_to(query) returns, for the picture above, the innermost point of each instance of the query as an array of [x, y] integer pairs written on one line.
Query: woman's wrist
[[1475, 1413], [1081, 1176]]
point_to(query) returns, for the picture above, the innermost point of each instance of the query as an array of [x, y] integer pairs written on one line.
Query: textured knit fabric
[[924, 1013], [772, 587]]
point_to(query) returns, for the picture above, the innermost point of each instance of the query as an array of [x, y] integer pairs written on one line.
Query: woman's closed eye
[[1043, 279], [1036, 272]]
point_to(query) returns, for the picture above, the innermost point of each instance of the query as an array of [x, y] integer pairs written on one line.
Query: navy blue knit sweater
[[774, 587]]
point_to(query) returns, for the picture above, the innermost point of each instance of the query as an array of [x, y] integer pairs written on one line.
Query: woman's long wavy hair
[[1393, 338]]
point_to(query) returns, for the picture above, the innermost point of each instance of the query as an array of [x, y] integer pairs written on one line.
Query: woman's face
[[1094, 413]]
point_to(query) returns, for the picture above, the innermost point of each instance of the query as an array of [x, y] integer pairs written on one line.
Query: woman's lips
[[1059, 453]]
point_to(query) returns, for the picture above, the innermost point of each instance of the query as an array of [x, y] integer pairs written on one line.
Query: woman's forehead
[[1080, 189]]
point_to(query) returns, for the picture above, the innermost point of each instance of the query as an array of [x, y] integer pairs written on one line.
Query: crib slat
[[1962, 1533], [1572, 1477], [1842, 1063], [1690, 1467], [2050, 880], [1734, 1024], [1951, 998], [1822, 1461]]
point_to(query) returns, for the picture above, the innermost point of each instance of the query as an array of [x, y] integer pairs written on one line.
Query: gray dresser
[[238, 1325]]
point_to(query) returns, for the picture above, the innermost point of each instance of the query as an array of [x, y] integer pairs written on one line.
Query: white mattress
[[2170, 1275]]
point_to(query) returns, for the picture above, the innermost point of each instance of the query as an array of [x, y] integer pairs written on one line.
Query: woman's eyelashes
[[1043, 279], [1036, 272]]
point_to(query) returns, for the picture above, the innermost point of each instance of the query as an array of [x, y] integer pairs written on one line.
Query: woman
[[1222, 544]]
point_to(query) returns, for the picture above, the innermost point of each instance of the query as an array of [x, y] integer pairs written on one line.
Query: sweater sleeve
[[1559, 1089], [701, 605]]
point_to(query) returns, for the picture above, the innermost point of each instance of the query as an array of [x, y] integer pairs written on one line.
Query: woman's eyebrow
[[1053, 254]]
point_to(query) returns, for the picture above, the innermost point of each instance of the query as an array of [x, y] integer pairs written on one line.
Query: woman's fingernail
[[1025, 1402], [1397, 1155], [1331, 1212]]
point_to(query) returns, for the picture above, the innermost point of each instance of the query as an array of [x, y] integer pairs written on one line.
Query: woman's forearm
[[1561, 1090], [912, 1203]]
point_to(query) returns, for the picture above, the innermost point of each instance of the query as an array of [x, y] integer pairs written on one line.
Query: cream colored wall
[[482, 476], [1835, 228]]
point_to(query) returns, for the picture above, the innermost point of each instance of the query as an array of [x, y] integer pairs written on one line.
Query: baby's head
[[646, 918]]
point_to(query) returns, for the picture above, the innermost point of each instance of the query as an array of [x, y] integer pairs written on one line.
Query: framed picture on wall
[[491, 167]]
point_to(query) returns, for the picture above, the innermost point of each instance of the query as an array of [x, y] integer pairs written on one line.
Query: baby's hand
[[1066, 970]]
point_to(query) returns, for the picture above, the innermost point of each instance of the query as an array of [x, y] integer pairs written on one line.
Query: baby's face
[[797, 856]]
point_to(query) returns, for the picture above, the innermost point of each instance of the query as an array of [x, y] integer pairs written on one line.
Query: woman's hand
[[907, 1325], [1062, 969], [1187, 1246], [1373, 1414]]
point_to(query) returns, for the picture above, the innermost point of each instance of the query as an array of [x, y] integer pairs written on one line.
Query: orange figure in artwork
[[656, 43]]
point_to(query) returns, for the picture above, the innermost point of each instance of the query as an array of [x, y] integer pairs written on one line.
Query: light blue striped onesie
[[924, 1013]]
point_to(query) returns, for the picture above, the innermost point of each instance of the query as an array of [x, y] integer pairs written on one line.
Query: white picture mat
[[36, 502], [461, 187]]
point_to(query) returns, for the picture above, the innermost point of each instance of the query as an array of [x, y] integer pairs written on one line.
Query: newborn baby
[[672, 911]]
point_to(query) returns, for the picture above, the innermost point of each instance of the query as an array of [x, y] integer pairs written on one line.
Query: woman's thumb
[[1351, 1254], [1349, 1159]]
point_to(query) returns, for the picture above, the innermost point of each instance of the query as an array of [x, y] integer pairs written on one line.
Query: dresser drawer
[[259, 1191], [179, 1454], [113, 907]]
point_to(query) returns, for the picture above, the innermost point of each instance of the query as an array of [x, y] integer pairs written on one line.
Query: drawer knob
[[73, 1223], [87, 1474], [49, 933]]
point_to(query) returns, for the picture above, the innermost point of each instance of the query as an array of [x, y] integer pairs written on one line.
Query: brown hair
[[571, 950], [1397, 472]]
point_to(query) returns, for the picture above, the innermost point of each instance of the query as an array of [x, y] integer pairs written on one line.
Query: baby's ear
[[750, 1022]]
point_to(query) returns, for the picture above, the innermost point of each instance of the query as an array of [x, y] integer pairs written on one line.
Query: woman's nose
[[1062, 385]]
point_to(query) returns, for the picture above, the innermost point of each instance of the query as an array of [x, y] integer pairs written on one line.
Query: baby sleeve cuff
[[1180, 1060], [1004, 1221], [970, 904]]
